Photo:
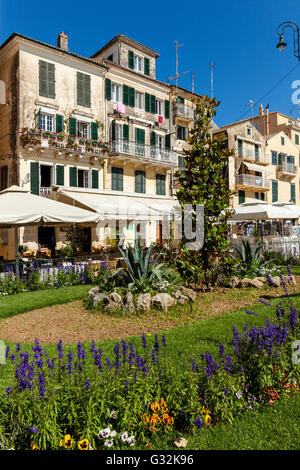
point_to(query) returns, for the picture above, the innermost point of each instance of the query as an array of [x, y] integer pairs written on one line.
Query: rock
[[234, 282], [181, 299], [290, 280], [94, 291], [114, 302], [247, 282], [128, 303], [163, 301], [98, 298], [180, 442], [275, 281], [190, 293], [143, 302], [262, 279]]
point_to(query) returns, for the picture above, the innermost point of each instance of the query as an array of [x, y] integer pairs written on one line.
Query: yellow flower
[[146, 418], [155, 419], [155, 406], [165, 418], [170, 420], [83, 445], [35, 447], [207, 420]]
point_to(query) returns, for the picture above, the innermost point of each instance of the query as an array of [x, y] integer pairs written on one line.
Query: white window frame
[[115, 98], [138, 59], [52, 176], [159, 107], [249, 131], [88, 134], [141, 99], [47, 121], [86, 177], [160, 142]]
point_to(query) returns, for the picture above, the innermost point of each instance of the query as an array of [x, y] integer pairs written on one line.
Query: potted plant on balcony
[[60, 135]]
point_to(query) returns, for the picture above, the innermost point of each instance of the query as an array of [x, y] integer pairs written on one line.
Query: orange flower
[[164, 408], [165, 418], [155, 419], [170, 420], [146, 418], [155, 406]]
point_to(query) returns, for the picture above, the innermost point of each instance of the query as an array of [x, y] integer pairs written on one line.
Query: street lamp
[[281, 44]]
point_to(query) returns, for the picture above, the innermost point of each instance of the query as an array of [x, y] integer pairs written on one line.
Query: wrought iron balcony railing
[[251, 180], [147, 152]]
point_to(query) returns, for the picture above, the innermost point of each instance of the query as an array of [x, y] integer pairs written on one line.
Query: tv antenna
[[250, 105], [177, 74], [212, 67]]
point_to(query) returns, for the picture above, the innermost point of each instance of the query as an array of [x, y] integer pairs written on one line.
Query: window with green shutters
[[280, 158], [274, 158], [168, 141], [73, 176], [161, 185], [240, 148], [46, 79], [35, 178], [94, 131], [83, 90], [108, 89], [274, 191], [131, 60], [140, 181], [293, 192], [117, 179], [290, 159], [125, 95], [72, 126], [297, 139], [60, 175], [167, 109], [241, 196], [59, 123], [95, 179], [131, 97], [153, 138], [146, 66], [139, 135], [125, 131], [256, 151], [147, 102], [152, 104]]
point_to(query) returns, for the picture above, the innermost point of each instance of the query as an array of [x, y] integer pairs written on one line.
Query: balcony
[[45, 192], [252, 156], [31, 138], [251, 181], [143, 152], [184, 111], [288, 170]]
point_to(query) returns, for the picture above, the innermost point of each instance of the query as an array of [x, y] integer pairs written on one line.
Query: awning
[[112, 206], [253, 167]]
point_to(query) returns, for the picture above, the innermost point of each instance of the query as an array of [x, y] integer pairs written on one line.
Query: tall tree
[[204, 181]]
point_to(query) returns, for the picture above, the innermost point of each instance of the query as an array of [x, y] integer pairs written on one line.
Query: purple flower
[[87, 384], [265, 303], [251, 313], [198, 422], [33, 429]]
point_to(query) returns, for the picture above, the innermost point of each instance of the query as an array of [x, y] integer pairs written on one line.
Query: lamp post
[[281, 44]]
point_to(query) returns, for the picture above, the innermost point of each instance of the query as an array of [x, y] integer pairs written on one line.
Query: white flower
[[104, 433], [113, 414], [109, 443], [131, 440], [124, 436], [113, 433], [238, 394]]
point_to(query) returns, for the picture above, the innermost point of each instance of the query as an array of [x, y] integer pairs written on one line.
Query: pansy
[[124, 436], [83, 445], [109, 443], [131, 440], [104, 433]]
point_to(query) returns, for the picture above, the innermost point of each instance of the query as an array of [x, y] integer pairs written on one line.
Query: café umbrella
[[19, 208]]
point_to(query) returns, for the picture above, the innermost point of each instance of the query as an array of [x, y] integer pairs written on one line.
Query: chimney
[[268, 121], [62, 42], [261, 110]]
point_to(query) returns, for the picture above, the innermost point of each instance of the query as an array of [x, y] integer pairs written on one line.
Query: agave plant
[[250, 260], [140, 272]]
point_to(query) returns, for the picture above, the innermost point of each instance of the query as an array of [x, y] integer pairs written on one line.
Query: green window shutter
[[130, 60], [297, 139], [241, 196], [168, 142], [256, 151], [108, 89], [95, 179], [240, 148], [293, 192], [131, 100], [147, 103], [94, 131], [167, 109], [46, 79], [139, 135], [160, 185], [146, 66], [38, 119], [117, 179], [290, 159], [60, 175], [181, 162], [72, 126], [280, 159], [35, 178], [140, 181], [83, 90], [153, 138], [125, 131], [73, 176], [59, 123], [125, 95], [153, 104], [274, 158], [51, 81], [274, 191], [113, 130]]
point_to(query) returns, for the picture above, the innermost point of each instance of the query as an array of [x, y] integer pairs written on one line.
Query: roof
[[132, 42], [72, 54]]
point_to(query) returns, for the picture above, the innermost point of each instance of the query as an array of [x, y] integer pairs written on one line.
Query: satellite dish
[[26, 179]]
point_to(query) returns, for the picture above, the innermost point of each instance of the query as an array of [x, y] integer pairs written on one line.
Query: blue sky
[[238, 36]]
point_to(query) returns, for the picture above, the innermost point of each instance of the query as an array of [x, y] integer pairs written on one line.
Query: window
[[83, 90], [160, 141], [46, 176], [83, 130], [46, 122], [110, 57], [83, 178], [117, 179], [274, 158], [159, 107], [46, 79], [138, 63], [181, 133], [3, 177], [274, 191], [297, 139], [138, 100], [241, 196], [248, 130], [140, 181], [161, 185], [293, 192], [260, 196], [4, 236], [116, 92], [282, 140], [240, 148]]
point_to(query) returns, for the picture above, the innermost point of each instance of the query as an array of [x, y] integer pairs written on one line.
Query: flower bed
[[81, 399]]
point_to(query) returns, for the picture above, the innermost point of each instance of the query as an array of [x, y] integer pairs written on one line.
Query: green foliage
[[76, 238], [204, 181], [252, 262]]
